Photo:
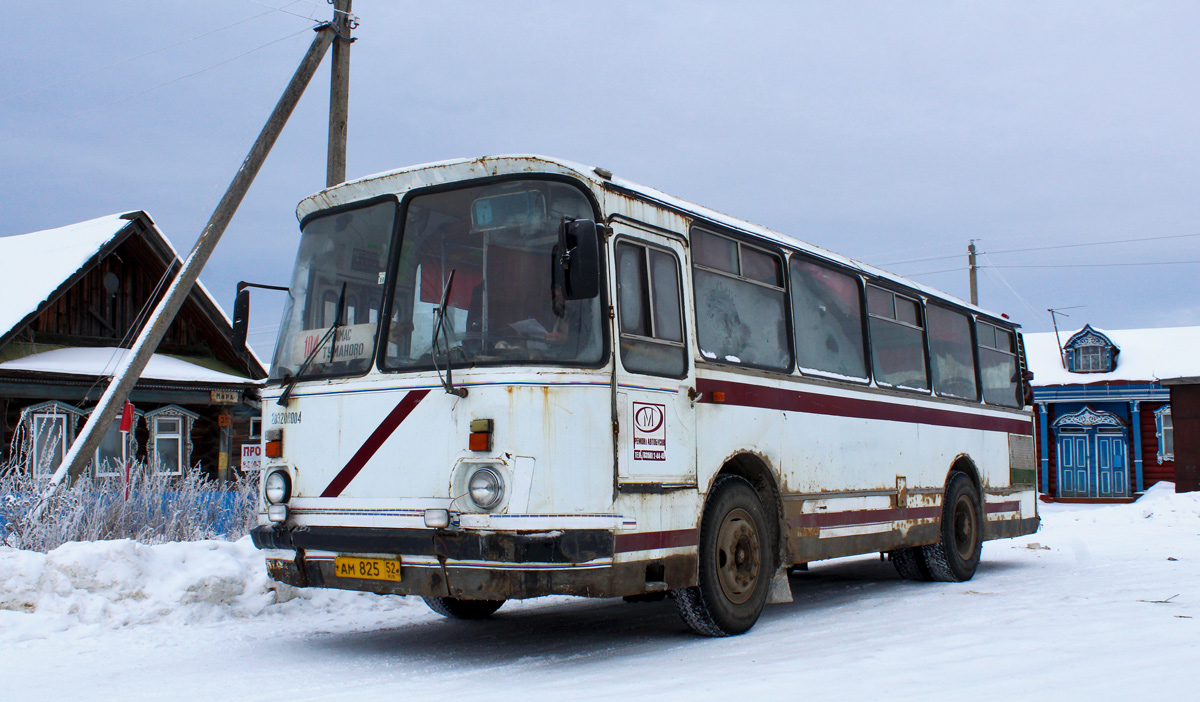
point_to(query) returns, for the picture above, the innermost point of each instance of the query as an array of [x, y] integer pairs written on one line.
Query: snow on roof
[[105, 361], [464, 168], [1146, 355], [33, 266]]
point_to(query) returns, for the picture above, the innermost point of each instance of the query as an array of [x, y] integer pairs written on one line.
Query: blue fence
[[219, 512]]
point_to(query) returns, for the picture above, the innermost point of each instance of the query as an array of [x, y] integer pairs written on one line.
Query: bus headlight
[[277, 487], [486, 488]]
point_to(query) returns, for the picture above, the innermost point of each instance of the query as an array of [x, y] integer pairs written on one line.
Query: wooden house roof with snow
[[71, 298]]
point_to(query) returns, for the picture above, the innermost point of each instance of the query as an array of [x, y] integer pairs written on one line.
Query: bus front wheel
[[955, 556], [735, 563], [463, 609]]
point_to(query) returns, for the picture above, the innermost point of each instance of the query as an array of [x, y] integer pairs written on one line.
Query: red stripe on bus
[[374, 441], [994, 507], [862, 517], [746, 395], [648, 540]]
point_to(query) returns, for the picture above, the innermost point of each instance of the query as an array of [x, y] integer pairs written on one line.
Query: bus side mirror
[[578, 254], [241, 319]]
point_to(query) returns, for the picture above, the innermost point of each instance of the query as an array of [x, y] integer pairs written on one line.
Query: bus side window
[[651, 320], [897, 340], [827, 309], [953, 360], [741, 315], [998, 365]]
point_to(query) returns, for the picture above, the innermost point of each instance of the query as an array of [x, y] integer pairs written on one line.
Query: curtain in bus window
[[650, 315], [998, 367], [953, 362], [740, 322], [897, 340], [828, 320], [899, 355], [668, 321]]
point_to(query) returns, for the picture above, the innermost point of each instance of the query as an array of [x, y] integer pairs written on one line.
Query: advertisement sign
[[251, 457], [649, 432]]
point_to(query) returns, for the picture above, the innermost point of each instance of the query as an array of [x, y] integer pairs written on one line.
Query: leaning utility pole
[[113, 400], [973, 269], [339, 93]]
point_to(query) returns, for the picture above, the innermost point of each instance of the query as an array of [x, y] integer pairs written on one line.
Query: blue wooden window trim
[[1160, 415], [1088, 343]]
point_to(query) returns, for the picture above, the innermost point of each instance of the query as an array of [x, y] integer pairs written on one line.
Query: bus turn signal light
[[718, 396], [481, 435], [273, 449]]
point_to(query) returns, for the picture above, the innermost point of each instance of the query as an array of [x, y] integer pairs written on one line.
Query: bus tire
[[735, 563], [910, 564], [463, 609], [955, 556]]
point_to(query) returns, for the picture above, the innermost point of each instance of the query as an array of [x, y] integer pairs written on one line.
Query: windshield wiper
[[337, 322], [439, 329]]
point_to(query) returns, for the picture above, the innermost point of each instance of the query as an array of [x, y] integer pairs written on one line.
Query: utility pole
[[113, 399], [974, 274], [339, 93]]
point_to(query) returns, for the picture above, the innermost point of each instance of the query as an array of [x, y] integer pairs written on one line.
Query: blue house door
[[1073, 454], [1093, 451], [1111, 469]]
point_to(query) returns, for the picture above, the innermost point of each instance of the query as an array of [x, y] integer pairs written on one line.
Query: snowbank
[[88, 588], [112, 584]]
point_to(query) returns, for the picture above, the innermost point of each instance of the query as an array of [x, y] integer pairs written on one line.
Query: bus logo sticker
[[649, 432]]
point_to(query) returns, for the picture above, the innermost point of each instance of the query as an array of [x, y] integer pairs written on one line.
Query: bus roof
[[456, 170]]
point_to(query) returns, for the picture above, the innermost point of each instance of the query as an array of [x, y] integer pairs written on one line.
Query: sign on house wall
[[251, 457]]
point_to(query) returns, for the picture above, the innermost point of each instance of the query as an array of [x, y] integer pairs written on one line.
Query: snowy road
[[1102, 613]]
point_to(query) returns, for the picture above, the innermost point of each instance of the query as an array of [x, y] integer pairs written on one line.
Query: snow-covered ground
[[1102, 604]]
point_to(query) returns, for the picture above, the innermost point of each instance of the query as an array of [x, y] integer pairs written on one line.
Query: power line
[[124, 61], [1047, 248], [166, 83], [295, 14], [944, 270], [1094, 265]]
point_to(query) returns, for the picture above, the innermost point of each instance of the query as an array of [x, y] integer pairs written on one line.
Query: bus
[[517, 376]]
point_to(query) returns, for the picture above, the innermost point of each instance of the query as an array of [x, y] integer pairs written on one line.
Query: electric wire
[[1013, 290], [1046, 248], [124, 61], [169, 82], [1093, 265], [281, 9]]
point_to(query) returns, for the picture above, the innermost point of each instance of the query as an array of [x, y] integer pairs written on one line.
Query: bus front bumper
[[471, 565]]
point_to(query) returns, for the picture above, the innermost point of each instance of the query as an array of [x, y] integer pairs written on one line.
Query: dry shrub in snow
[[150, 508]]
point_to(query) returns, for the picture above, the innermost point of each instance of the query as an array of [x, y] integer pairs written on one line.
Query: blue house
[[1103, 418]]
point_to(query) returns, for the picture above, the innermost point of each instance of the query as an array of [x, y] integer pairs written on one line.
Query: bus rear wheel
[[463, 609], [735, 563], [910, 563], [955, 556]]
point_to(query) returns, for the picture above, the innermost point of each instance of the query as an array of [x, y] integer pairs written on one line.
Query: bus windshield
[[503, 306], [341, 264]]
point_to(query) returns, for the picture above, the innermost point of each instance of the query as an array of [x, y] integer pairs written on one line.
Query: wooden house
[[72, 300], [1104, 421]]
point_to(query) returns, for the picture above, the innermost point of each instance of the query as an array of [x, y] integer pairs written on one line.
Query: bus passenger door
[[656, 430]]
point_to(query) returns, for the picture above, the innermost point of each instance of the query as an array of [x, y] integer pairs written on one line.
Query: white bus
[[518, 376]]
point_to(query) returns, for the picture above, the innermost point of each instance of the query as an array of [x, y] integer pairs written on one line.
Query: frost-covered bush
[[150, 507]]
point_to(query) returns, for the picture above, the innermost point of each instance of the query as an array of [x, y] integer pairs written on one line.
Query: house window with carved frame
[[1089, 359], [1164, 429]]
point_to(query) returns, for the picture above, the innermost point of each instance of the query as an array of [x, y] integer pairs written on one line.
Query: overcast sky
[[886, 131]]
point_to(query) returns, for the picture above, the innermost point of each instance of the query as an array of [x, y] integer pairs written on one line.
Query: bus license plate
[[367, 568]]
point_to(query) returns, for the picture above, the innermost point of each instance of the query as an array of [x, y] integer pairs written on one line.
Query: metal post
[[136, 359], [339, 94], [973, 269]]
